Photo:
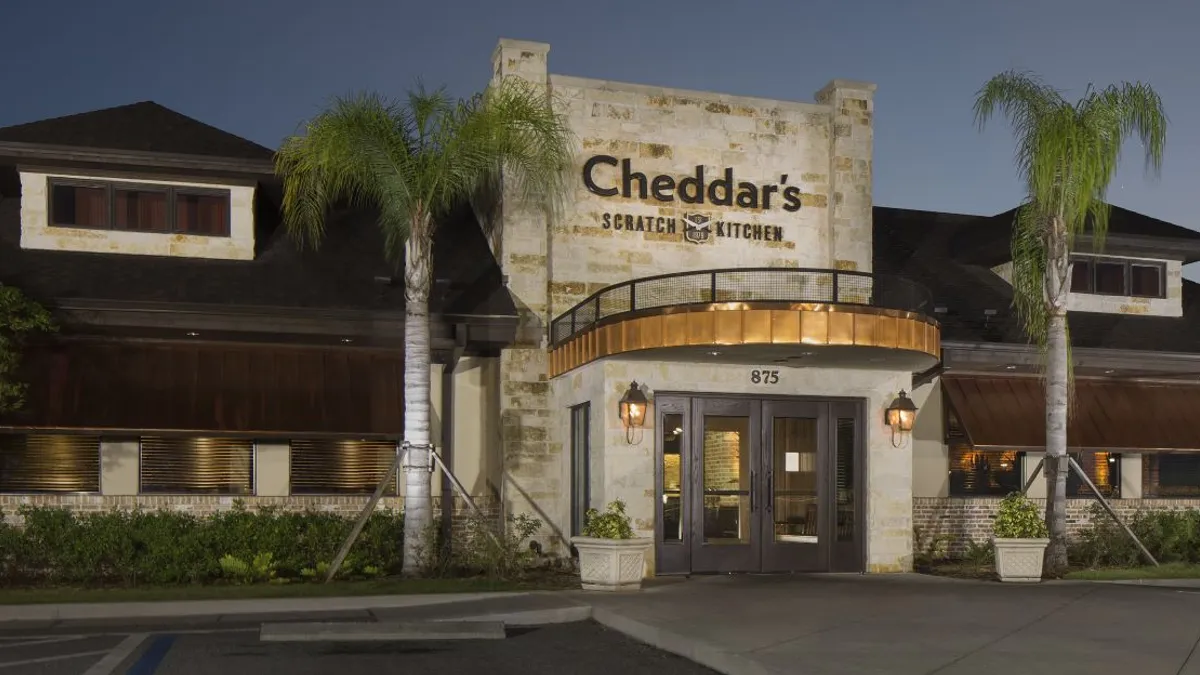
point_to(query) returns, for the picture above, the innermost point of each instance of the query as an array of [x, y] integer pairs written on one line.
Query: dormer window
[[134, 207], [1097, 275]]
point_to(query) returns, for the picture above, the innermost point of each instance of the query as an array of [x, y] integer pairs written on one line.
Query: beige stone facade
[[38, 233], [793, 191], [1171, 305]]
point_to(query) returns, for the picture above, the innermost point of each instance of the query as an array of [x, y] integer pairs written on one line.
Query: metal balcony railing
[[770, 285]]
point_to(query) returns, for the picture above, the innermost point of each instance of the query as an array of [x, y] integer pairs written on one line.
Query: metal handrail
[[759, 284]]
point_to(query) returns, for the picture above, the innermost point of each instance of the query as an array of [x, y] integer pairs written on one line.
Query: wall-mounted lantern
[[633, 410], [900, 416]]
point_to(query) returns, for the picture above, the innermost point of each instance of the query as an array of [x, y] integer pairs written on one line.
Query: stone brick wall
[[669, 132], [970, 519], [531, 481]]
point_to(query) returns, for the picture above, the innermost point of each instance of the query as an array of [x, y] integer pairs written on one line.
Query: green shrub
[[1018, 518], [930, 548], [1172, 536], [612, 524], [979, 554], [56, 546], [261, 568], [480, 547]]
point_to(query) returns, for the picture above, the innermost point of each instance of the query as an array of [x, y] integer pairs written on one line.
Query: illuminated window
[[980, 473], [984, 473], [1103, 468]]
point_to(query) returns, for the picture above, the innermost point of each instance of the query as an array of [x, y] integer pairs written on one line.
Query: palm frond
[[359, 150], [511, 131]]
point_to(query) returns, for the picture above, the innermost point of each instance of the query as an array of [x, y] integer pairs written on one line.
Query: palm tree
[[1066, 155], [412, 162]]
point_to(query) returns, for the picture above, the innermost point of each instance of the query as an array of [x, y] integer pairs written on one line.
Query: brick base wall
[[970, 519]]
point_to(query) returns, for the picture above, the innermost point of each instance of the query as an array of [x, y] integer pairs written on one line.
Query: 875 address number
[[764, 376]]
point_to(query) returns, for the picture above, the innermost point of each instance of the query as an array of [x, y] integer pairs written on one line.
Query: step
[[381, 631]]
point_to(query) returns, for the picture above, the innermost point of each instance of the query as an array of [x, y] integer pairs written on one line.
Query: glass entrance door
[[794, 533], [752, 485], [725, 451]]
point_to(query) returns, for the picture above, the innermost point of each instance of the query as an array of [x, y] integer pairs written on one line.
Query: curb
[[533, 617], [720, 660], [201, 608]]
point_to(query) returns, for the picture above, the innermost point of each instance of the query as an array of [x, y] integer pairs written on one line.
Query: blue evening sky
[[258, 67]]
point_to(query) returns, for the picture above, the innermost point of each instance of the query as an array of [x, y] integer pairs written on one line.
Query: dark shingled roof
[[987, 241], [339, 275], [145, 127], [924, 246]]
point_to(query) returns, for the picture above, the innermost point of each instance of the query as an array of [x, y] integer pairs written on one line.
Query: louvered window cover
[[330, 466], [216, 466], [1171, 475], [49, 463]]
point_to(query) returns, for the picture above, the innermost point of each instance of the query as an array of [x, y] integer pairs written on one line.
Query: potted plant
[[610, 557], [1020, 539]]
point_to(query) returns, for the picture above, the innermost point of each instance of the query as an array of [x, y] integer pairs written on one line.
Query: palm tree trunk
[[1056, 445], [1058, 268], [418, 479]]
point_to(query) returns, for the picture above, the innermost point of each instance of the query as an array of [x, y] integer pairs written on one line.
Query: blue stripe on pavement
[[153, 656]]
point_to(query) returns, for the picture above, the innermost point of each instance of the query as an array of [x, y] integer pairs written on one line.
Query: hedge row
[[57, 546], [1172, 536]]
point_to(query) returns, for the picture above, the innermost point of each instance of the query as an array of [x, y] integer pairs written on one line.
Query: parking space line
[[44, 641], [113, 658], [51, 659]]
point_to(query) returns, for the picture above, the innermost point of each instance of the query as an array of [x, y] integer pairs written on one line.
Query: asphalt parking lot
[[583, 648]]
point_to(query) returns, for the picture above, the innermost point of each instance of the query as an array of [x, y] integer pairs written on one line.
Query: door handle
[[770, 492], [752, 492]]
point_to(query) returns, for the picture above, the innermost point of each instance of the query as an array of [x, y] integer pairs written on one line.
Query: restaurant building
[[717, 330]]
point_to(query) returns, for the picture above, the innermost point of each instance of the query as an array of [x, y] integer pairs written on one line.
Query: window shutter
[[1171, 474], [219, 466], [328, 466], [49, 463]]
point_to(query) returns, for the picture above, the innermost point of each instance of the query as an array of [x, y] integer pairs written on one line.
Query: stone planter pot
[[1020, 560], [611, 564]]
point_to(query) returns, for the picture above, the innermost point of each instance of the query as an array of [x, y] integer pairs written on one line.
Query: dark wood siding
[[225, 388]]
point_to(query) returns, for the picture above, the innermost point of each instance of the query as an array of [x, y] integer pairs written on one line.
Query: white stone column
[[931, 458], [120, 466], [850, 152], [272, 469], [1131, 476], [1038, 489], [533, 453]]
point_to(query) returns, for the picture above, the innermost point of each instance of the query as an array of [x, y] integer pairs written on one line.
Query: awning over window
[[1010, 412], [194, 388]]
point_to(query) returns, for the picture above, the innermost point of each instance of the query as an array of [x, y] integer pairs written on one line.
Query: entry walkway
[[900, 625]]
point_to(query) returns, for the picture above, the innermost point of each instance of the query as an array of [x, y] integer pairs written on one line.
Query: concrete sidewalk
[[897, 625]]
